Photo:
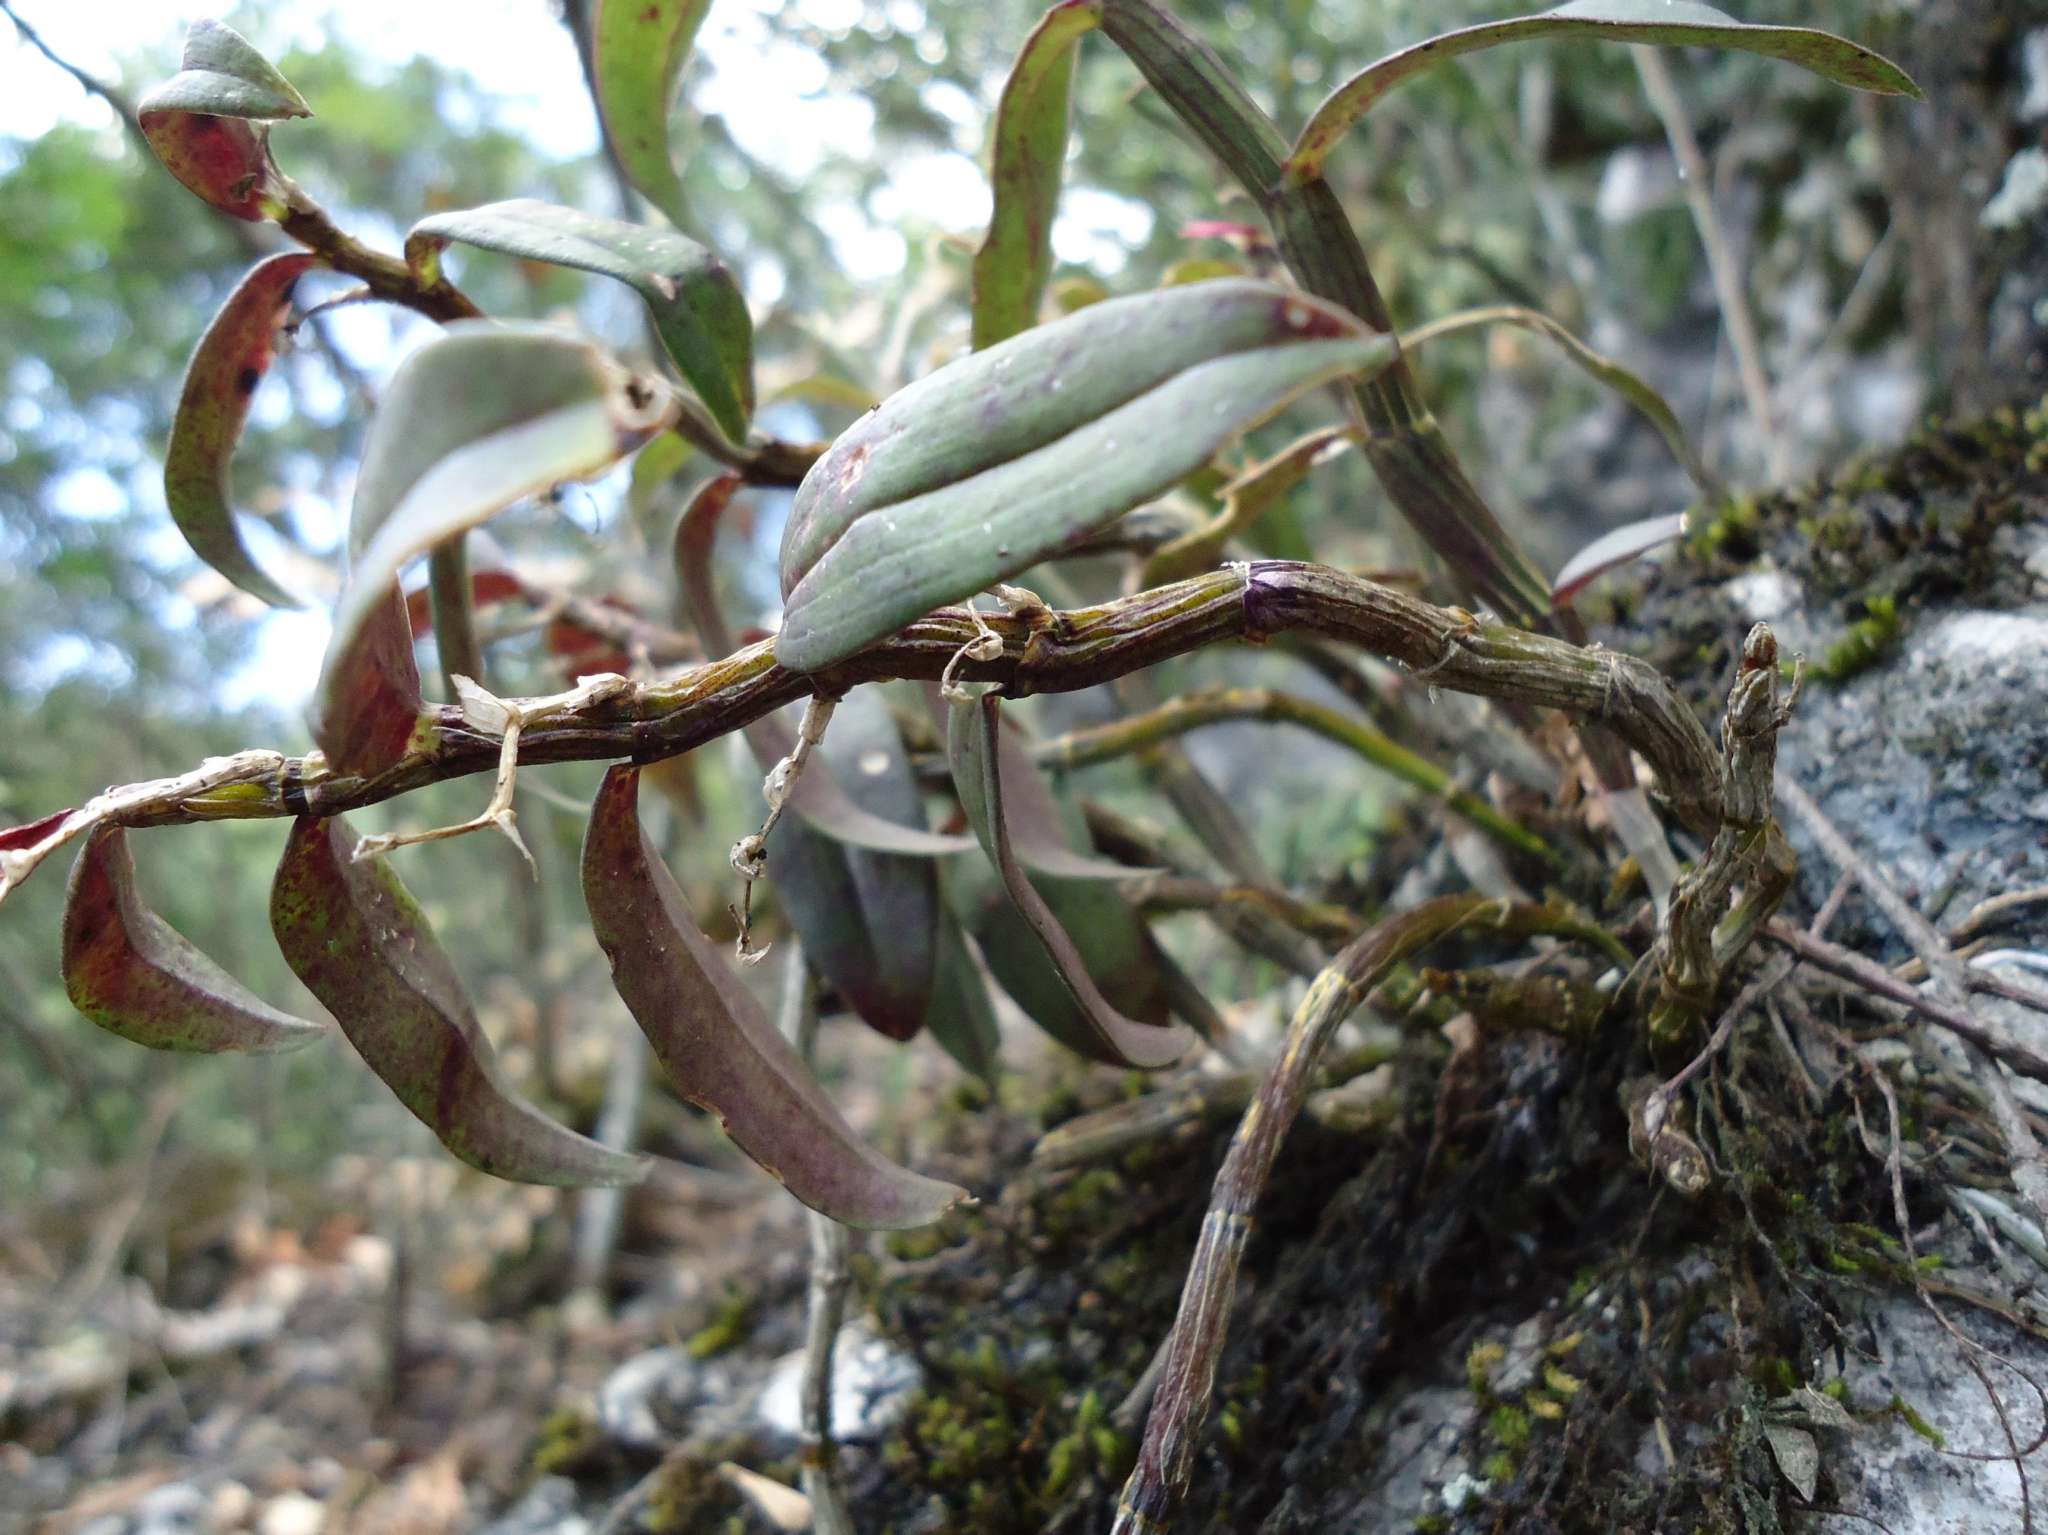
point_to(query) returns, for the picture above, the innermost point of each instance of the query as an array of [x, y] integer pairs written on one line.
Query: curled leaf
[[1611, 551], [1009, 455], [975, 748], [1015, 259], [209, 123], [638, 48], [220, 381], [717, 1044], [351, 932], [1670, 23], [130, 972], [475, 420], [1631, 386], [697, 307]]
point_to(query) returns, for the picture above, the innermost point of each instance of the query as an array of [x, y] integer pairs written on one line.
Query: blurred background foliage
[[1533, 175]]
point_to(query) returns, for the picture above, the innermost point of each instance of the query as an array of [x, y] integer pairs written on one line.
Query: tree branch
[[1043, 652]]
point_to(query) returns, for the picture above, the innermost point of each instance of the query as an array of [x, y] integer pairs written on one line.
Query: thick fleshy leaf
[[1029, 153], [1670, 23], [638, 48], [817, 795], [369, 700], [1009, 455], [475, 420], [697, 307], [1090, 907], [220, 381], [1631, 386], [868, 920], [1611, 551], [209, 122], [351, 932], [130, 972], [718, 1045]]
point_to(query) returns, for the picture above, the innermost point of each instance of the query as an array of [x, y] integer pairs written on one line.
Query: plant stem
[[1192, 711]]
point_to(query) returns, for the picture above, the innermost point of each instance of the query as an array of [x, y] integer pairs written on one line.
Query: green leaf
[[1670, 23], [1011, 268], [477, 419], [638, 48], [868, 920], [1631, 386], [351, 932], [962, 1019], [209, 122], [697, 307], [130, 972], [974, 748], [1009, 455], [221, 380], [1611, 551], [717, 1044]]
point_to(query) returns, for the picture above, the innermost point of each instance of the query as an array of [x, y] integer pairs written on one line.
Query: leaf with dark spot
[[718, 1045], [351, 932], [130, 972], [974, 747], [230, 362], [209, 123], [638, 48]]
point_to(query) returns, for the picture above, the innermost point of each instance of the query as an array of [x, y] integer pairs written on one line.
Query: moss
[[1866, 642], [1511, 1426], [730, 1325], [1480, 1363], [1900, 1409], [566, 1437]]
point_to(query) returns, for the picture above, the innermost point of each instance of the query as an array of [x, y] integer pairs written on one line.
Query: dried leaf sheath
[[716, 1042]]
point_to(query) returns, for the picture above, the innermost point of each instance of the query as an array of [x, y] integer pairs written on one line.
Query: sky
[[516, 51]]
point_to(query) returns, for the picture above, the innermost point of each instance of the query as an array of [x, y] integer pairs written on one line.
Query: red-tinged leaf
[[209, 123], [1668, 23], [638, 48], [1030, 151], [369, 700], [477, 419], [131, 973], [975, 747], [487, 588], [1611, 551], [229, 363], [584, 651], [716, 1042], [351, 932], [817, 795]]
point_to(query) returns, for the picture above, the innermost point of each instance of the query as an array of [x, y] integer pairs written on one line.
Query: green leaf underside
[[697, 306], [1631, 386], [134, 975], [1015, 259], [208, 123], [638, 51], [900, 557], [974, 748], [718, 1045], [220, 381], [351, 932], [1669, 23], [962, 1019], [474, 421], [868, 920]]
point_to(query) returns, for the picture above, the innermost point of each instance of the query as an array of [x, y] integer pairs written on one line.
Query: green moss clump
[[1868, 641], [729, 1326], [564, 1439]]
